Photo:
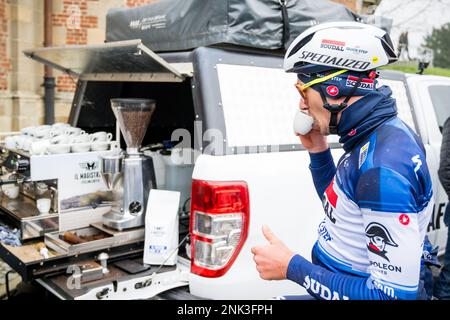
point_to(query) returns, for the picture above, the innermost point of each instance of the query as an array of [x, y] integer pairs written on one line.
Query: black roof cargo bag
[[174, 25]]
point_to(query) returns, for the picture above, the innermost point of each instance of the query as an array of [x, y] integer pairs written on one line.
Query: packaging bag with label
[[161, 228]]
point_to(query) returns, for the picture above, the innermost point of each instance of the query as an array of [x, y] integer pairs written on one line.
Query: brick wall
[[5, 63], [75, 21], [80, 22], [137, 3]]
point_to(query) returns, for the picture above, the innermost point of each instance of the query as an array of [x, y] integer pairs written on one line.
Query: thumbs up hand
[[272, 260]]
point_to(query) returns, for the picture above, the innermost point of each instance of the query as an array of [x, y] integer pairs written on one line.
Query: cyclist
[[378, 199]]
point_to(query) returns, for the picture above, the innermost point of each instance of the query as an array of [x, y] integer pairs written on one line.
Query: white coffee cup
[[81, 147], [11, 190], [44, 133], [100, 146], [28, 130], [74, 131], [20, 140], [44, 205], [81, 144], [11, 142], [54, 132], [40, 130], [101, 136], [58, 148], [39, 147], [60, 125], [26, 142], [302, 123], [84, 138], [61, 139]]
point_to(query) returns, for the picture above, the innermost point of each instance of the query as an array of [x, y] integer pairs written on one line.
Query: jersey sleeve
[[326, 285], [322, 169]]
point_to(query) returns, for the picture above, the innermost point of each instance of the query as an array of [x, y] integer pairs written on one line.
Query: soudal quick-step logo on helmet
[[347, 45], [332, 45]]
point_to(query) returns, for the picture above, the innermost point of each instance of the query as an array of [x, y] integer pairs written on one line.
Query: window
[[259, 105], [440, 97]]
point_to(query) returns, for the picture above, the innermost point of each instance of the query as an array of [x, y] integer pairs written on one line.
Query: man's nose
[[303, 105]]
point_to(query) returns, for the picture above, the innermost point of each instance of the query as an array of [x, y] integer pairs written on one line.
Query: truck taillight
[[219, 225]]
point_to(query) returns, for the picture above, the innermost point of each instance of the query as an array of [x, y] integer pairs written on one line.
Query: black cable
[[183, 208], [8, 293], [336, 108], [170, 255], [285, 21]]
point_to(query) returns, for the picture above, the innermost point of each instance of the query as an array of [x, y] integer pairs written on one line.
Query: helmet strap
[[336, 108]]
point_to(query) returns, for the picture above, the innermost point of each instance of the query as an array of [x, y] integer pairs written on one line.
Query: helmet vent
[[301, 44]]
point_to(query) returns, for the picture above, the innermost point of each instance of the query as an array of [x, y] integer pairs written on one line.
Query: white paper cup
[[43, 205], [302, 123]]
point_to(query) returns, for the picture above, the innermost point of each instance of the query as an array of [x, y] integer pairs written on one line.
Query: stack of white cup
[[59, 138]]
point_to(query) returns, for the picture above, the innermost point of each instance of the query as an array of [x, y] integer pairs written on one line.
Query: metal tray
[[26, 217], [112, 238]]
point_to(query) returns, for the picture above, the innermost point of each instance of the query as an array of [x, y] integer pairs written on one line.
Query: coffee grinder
[[130, 175]]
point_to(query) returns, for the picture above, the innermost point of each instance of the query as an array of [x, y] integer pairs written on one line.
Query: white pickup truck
[[281, 193], [237, 108]]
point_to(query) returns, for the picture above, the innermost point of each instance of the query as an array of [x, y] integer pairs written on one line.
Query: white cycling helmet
[[340, 45]]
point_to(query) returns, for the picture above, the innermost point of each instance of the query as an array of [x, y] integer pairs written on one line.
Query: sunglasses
[[302, 90]]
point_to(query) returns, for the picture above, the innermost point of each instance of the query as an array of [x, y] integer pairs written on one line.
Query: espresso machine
[[129, 175]]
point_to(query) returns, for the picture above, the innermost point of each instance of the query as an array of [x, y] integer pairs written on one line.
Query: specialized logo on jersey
[[418, 163], [329, 202], [379, 238], [365, 84], [363, 152]]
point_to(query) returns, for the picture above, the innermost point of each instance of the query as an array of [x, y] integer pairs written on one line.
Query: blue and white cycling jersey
[[378, 203]]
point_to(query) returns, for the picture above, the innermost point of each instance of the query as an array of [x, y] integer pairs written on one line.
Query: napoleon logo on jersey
[[379, 238]]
